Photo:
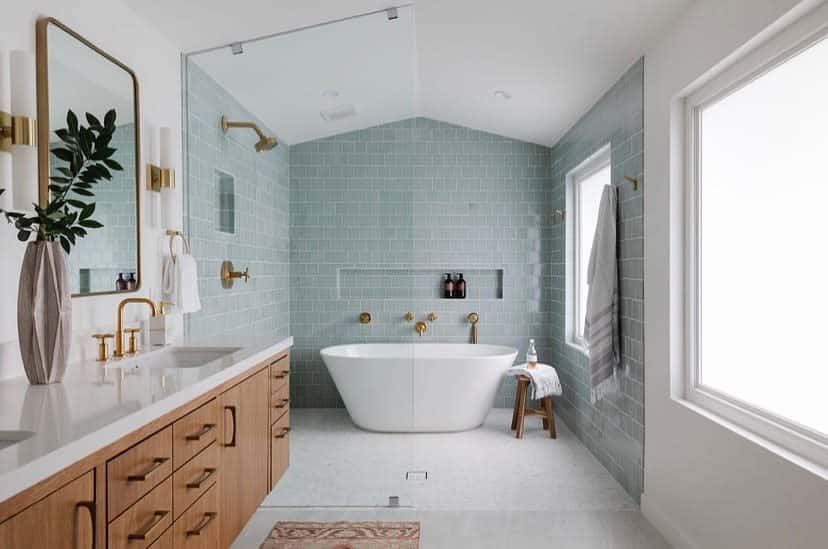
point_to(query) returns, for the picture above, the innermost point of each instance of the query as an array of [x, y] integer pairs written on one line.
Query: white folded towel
[[544, 380], [169, 286], [186, 276]]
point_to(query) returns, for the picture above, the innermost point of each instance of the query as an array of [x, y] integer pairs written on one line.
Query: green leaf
[[64, 154], [65, 245], [79, 231], [113, 165], [76, 204], [23, 235], [86, 139], [88, 210], [56, 188], [72, 122], [109, 119], [90, 224], [65, 171], [59, 179], [93, 122], [83, 192]]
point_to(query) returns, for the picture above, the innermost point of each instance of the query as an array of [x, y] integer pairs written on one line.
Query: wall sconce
[[18, 130], [161, 179]]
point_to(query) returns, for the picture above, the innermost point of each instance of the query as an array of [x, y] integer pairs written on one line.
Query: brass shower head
[[265, 143]]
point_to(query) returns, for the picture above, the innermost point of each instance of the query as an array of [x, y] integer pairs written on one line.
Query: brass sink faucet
[[119, 329], [421, 328]]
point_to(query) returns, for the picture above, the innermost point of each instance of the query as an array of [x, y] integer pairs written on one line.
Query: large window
[[584, 187], [758, 244]]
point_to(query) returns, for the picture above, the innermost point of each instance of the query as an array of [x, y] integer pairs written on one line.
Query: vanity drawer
[[195, 478], [137, 471], [145, 521], [198, 527], [279, 372], [279, 402], [279, 449], [165, 541], [194, 432]]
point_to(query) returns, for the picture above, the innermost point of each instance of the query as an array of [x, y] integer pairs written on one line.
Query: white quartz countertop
[[95, 406]]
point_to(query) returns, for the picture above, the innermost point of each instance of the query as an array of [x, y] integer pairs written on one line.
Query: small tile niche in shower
[[226, 202]]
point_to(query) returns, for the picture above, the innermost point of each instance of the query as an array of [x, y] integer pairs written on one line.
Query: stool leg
[[549, 407], [546, 413], [521, 408], [515, 410]]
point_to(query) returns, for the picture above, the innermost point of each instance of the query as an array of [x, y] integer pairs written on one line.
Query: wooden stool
[[520, 411]]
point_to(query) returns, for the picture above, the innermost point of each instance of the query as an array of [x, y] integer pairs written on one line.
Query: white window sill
[[578, 347], [810, 465]]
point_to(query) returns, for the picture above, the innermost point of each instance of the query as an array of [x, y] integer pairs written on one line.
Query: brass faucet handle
[[132, 348], [409, 316], [364, 318], [432, 317], [245, 274], [473, 318], [103, 351]]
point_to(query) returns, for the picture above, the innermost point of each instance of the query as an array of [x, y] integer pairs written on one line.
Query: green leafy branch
[[88, 158]]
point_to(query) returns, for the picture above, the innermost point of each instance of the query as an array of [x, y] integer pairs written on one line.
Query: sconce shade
[[23, 103], [5, 86]]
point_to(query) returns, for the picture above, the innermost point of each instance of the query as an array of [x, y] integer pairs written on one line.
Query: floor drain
[[416, 475], [393, 501]]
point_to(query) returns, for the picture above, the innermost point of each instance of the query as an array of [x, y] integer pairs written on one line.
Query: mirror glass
[[83, 79]]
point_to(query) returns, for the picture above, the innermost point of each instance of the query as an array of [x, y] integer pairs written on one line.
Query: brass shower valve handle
[[473, 318], [103, 350], [432, 317], [409, 316], [365, 318]]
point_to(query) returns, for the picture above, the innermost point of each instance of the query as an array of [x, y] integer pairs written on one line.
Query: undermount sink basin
[[10, 438], [174, 357]]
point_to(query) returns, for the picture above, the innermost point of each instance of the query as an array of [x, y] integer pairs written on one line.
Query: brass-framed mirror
[[74, 74]]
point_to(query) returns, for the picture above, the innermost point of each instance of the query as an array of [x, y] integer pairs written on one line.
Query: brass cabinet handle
[[281, 375], [203, 431], [282, 403], [156, 519], [205, 522], [90, 506], [205, 476], [156, 464], [232, 409], [285, 431]]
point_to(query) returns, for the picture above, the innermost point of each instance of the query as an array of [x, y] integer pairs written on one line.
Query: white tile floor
[[484, 488]]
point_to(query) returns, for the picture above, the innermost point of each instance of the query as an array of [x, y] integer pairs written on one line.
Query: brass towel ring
[[172, 235]]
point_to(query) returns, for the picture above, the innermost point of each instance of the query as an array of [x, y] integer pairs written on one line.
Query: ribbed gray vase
[[44, 313]]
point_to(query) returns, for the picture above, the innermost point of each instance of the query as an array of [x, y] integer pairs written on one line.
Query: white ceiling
[[555, 57]]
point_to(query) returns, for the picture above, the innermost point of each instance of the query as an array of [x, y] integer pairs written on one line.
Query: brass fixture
[[421, 328], [163, 306], [409, 316], [558, 216], [132, 347], [103, 351], [432, 317], [473, 318], [17, 130], [364, 318], [172, 235], [265, 143], [160, 178], [228, 275], [119, 326], [633, 181]]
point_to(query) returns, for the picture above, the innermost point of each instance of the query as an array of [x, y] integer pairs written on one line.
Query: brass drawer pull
[[285, 431], [205, 476], [155, 521], [205, 522], [282, 375], [203, 431], [156, 464], [282, 403], [232, 410]]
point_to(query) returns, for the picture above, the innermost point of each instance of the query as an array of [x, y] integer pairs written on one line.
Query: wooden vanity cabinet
[[65, 519], [245, 453]]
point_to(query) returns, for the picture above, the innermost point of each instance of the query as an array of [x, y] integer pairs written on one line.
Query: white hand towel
[[187, 284], [544, 380], [169, 284]]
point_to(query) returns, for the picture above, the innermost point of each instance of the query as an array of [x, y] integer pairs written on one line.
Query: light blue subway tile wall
[[259, 240], [377, 215], [612, 428]]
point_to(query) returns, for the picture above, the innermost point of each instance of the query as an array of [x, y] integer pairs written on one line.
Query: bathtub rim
[[498, 351]]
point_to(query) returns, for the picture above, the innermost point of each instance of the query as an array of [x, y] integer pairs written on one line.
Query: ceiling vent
[[338, 113]]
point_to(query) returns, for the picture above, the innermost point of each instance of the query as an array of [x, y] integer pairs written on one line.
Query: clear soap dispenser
[[531, 356]]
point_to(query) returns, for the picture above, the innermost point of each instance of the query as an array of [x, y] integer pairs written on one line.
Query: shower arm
[[227, 124]]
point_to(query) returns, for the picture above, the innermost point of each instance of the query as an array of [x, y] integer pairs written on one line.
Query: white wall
[[705, 485], [112, 26]]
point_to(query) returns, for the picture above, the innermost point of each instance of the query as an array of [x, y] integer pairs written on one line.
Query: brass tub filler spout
[[473, 318], [119, 330], [421, 328]]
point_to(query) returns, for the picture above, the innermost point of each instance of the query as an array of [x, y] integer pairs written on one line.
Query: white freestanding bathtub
[[428, 387]]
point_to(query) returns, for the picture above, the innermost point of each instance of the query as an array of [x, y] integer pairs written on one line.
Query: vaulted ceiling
[[554, 58]]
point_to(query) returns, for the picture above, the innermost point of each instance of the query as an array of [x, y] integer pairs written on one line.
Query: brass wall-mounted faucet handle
[[432, 317], [409, 316], [103, 351], [364, 318], [229, 275], [421, 328], [132, 346]]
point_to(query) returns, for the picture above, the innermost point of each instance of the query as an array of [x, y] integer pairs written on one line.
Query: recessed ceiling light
[[504, 95]]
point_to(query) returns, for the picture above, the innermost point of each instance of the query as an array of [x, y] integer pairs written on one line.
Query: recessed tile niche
[[226, 202]]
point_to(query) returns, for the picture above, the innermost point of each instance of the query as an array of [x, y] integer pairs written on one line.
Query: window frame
[[779, 431], [597, 161]]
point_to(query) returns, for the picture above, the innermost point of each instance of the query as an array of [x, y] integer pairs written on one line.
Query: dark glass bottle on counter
[[120, 284], [131, 282], [448, 287], [460, 287]]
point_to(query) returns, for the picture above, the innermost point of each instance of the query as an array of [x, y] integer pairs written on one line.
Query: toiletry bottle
[[460, 287], [448, 287], [531, 355], [120, 284], [131, 283]]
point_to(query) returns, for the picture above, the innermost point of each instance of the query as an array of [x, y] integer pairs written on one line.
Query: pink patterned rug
[[344, 535]]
